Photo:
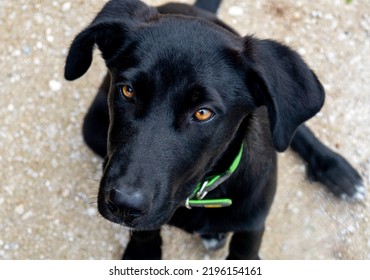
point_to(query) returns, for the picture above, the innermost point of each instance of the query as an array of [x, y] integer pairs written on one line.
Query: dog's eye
[[127, 92], [203, 115]]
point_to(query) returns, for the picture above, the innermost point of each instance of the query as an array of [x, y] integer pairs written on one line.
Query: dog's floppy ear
[[107, 31], [278, 78]]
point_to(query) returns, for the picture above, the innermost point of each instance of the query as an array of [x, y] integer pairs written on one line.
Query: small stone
[[50, 38], [297, 15], [65, 193], [71, 236], [17, 53], [55, 85], [91, 211], [66, 6], [39, 45], [11, 246], [38, 18], [236, 11], [27, 215], [14, 246], [26, 50], [11, 107], [302, 51], [316, 14], [351, 229], [19, 209], [331, 56], [54, 163]]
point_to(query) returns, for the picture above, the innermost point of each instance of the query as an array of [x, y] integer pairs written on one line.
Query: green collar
[[202, 188]]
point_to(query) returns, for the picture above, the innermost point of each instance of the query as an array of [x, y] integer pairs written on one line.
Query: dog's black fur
[[259, 93]]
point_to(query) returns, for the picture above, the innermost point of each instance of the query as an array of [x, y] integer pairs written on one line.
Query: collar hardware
[[196, 199], [202, 192]]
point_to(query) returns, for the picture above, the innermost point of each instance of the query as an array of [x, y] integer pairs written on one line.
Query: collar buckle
[[202, 192], [208, 185]]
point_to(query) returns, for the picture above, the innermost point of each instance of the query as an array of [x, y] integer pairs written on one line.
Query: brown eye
[[128, 92], [203, 115]]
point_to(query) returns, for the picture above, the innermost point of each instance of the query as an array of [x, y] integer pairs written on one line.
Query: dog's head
[[181, 90]]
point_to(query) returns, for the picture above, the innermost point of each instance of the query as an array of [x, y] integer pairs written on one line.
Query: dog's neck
[[211, 183]]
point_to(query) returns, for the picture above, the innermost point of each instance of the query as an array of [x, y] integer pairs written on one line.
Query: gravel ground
[[49, 178]]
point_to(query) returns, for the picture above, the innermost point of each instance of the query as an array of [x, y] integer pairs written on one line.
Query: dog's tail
[[208, 5]]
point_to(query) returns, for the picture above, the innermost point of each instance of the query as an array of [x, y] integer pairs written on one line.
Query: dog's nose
[[128, 206]]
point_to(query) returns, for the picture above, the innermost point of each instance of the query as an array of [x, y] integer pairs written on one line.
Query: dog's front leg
[[144, 245], [245, 245]]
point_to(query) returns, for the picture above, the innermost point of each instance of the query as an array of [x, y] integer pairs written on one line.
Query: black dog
[[189, 106]]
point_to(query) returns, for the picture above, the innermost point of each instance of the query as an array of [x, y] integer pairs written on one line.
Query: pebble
[[91, 211], [26, 50], [65, 193], [293, 209], [236, 11], [54, 163], [50, 38], [11, 246], [27, 215], [299, 194], [302, 51], [351, 229], [66, 6], [39, 45], [70, 236], [17, 53], [55, 85], [316, 14], [19, 209], [38, 18], [52, 131], [331, 56]]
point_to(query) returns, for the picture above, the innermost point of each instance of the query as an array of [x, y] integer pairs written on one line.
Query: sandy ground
[[49, 178]]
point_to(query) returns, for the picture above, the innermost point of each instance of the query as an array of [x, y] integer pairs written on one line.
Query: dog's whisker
[[93, 202], [93, 179]]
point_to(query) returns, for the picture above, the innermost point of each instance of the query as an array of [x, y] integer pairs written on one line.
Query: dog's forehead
[[174, 37], [180, 50]]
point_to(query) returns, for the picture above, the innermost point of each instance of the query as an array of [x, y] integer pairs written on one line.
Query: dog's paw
[[337, 175], [213, 242]]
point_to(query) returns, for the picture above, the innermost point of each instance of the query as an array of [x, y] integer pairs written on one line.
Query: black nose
[[129, 206]]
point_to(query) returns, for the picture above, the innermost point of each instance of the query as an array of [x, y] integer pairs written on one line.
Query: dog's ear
[[278, 78], [108, 31]]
